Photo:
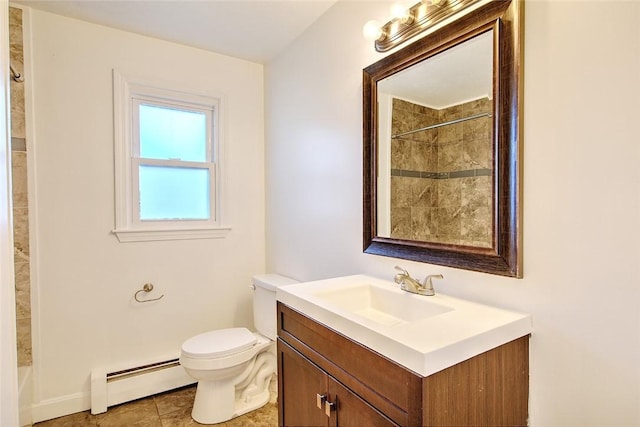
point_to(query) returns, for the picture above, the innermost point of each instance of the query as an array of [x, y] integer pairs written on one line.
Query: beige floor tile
[[140, 413], [179, 418], [175, 400], [81, 419], [171, 409], [266, 416]]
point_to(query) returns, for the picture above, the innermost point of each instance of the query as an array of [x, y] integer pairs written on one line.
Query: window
[[168, 171]]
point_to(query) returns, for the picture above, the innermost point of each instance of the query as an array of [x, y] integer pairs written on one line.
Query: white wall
[[581, 193], [84, 280]]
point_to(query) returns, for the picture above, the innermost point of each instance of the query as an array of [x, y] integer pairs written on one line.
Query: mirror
[[441, 146]]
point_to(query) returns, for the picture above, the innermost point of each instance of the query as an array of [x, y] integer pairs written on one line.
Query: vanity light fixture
[[401, 13], [373, 31], [406, 23]]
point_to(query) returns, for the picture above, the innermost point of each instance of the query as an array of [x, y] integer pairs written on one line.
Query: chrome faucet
[[409, 284]]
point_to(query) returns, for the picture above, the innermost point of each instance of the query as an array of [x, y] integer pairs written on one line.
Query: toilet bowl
[[234, 366]]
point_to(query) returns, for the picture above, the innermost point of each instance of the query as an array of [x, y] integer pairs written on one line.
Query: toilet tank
[[264, 302]]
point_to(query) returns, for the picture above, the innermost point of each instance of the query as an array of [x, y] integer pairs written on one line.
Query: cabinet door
[[299, 384], [351, 411]]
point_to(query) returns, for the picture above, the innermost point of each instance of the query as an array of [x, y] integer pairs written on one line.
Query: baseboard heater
[[114, 386]]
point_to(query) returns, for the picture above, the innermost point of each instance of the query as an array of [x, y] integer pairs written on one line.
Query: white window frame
[[129, 93]]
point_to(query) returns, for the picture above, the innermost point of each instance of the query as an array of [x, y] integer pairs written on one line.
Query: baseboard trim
[[60, 406]]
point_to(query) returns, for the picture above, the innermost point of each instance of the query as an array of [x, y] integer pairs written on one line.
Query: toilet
[[234, 366]]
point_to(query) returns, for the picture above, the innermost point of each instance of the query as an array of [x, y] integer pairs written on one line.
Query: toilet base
[[219, 401]]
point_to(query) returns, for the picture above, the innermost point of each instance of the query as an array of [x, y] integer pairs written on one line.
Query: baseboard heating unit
[[114, 386]]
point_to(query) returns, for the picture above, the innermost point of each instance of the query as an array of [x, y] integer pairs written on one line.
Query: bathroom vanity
[[347, 374]]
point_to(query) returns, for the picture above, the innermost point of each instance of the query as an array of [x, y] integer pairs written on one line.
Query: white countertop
[[458, 330]]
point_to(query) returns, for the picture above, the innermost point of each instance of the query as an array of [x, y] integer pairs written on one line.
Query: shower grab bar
[[451, 122], [148, 287]]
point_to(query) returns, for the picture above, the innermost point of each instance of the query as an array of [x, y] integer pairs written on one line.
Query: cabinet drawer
[[392, 389]]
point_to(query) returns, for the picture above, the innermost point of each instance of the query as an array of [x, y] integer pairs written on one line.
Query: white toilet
[[234, 366]]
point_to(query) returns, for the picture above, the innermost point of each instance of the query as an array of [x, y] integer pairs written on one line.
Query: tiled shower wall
[[441, 179], [20, 205]]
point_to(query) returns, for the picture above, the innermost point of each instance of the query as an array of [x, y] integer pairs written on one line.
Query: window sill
[[149, 235]]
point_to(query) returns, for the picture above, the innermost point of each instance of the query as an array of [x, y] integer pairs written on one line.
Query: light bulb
[[400, 12], [372, 30]]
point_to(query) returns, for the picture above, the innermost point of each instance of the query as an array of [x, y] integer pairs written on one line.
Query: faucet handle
[[397, 267], [427, 280], [399, 278]]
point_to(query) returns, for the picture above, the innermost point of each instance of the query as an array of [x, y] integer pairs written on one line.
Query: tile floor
[[170, 409]]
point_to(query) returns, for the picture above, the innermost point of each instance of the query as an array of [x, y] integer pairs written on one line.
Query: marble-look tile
[[19, 178], [449, 223], [18, 128], [273, 388], [422, 192], [449, 134], [423, 156], [450, 157], [401, 223], [480, 105], [476, 129], [140, 413], [16, 52], [175, 400], [262, 417], [81, 419], [15, 25], [436, 211], [401, 105], [449, 194], [477, 154], [23, 335], [400, 154], [170, 409], [451, 113], [21, 230], [421, 223], [476, 191], [180, 418], [427, 136], [476, 226], [23, 290], [401, 192]]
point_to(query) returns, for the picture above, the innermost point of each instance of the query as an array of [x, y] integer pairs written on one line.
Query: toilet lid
[[219, 343]]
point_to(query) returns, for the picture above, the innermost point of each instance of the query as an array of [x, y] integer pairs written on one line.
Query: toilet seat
[[219, 343]]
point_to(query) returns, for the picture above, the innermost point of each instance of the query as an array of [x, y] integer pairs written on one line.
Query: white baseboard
[[60, 406]]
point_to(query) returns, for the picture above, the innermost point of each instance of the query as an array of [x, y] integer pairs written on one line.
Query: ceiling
[[455, 76], [255, 30]]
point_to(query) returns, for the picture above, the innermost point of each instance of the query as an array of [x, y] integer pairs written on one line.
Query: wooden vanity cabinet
[[326, 379]]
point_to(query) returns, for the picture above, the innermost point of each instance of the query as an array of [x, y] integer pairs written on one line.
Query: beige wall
[[581, 193], [84, 312]]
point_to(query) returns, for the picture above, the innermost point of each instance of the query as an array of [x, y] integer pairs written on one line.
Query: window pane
[[174, 193], [167, 133]]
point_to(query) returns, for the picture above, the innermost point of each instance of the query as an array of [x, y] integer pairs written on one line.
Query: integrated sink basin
[[425, 334], [382, 305]]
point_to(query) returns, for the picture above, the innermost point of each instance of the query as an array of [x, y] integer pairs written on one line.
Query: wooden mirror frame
[[505, 256]]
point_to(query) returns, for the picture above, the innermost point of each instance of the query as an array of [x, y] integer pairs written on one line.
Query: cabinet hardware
[[328, 407], [320, 399]]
